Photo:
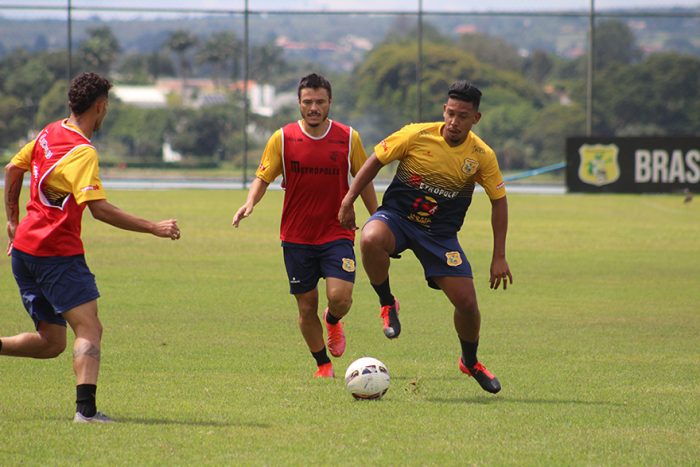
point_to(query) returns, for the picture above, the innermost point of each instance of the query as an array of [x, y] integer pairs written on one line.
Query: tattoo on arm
[[12, 192]]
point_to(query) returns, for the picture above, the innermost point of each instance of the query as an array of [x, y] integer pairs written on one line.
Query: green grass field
[[597, 345]]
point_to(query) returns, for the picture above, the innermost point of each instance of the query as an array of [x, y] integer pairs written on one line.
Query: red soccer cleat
[[336, 337], [325, 371], [486, 380], [390, 315]]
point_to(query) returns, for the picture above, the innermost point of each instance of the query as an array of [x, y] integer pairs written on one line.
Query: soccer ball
[[367, 378]]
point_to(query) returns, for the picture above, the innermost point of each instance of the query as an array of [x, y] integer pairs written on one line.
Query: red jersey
[[64, 174], [316, 177]]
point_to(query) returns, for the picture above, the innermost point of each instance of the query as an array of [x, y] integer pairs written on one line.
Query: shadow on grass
[[210, 423], [500, 399], [162, 421], [411, 386]]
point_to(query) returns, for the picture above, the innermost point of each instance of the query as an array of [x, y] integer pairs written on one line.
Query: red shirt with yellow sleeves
[[316, 176], [64, 175]]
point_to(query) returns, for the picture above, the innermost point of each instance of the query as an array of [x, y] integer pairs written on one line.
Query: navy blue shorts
[[306, 264], [52, 285], [440, 256]]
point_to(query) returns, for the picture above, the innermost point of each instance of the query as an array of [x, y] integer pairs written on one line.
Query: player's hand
[[243, 212], [500, 273], [167, 229], [346, 216]]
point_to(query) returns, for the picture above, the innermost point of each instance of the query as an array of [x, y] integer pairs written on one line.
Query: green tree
[[387, 96], [180, 42], [506, 116], [145, 68], [99, 50], [209, 133], [137, 133], [222, 51], [615, 44], [13, 124], [545, 137], [538, 66], [267, 63], [660, 95], [24, 79], [491, 50], [52, 105]]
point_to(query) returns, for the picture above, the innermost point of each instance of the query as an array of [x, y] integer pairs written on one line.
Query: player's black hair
[[465, 91], [85, 89], [314, 81]]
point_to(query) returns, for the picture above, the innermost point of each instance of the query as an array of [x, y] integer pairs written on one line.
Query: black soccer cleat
[[486, 380], [390, 315]]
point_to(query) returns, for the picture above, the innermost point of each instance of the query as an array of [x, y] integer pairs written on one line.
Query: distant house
[[148, 97], [201, 92]]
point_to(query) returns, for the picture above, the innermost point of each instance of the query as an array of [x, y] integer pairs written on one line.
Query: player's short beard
[[324, 117]]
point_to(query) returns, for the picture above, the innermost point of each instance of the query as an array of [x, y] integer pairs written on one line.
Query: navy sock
[[384, 292], [330, 319], [321, 357], [85, 399], [469, 352]]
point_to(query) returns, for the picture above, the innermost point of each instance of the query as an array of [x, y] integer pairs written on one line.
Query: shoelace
[[480, 368]]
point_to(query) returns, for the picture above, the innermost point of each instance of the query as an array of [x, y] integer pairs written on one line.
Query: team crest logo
[[348, 265], [453, 258], [598, 164], [469, 166]]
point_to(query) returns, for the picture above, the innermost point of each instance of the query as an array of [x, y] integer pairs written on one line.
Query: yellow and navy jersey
[[316, 176], [434, 182], [64, 175]]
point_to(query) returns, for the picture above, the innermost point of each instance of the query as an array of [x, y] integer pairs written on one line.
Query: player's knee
[[468, 306], [370, 241], [53, 349], [340, 305]]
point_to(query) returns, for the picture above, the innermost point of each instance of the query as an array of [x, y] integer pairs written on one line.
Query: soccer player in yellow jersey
[[48, 259], [424, 208]]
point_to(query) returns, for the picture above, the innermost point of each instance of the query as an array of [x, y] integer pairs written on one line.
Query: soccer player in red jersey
[[316, 157], [48, 259], [424, 208]]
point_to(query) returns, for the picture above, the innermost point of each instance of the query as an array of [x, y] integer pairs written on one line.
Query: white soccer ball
[[367, 378]]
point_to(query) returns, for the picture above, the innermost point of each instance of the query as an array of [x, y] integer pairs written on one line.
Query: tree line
[[531, 103]]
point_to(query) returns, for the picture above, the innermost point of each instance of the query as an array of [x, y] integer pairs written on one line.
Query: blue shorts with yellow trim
[[440, 256], [52, 285], [306, 264]]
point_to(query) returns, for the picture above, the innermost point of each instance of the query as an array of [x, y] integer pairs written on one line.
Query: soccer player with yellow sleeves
[[424, 208]]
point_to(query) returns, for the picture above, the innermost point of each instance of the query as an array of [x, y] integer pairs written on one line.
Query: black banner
[[633, 165]]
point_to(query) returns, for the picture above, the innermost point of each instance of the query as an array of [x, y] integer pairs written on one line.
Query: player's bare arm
[[500, 271], [255, 194], [369, 198], [13, 186], [369, 170], [104, 211]]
